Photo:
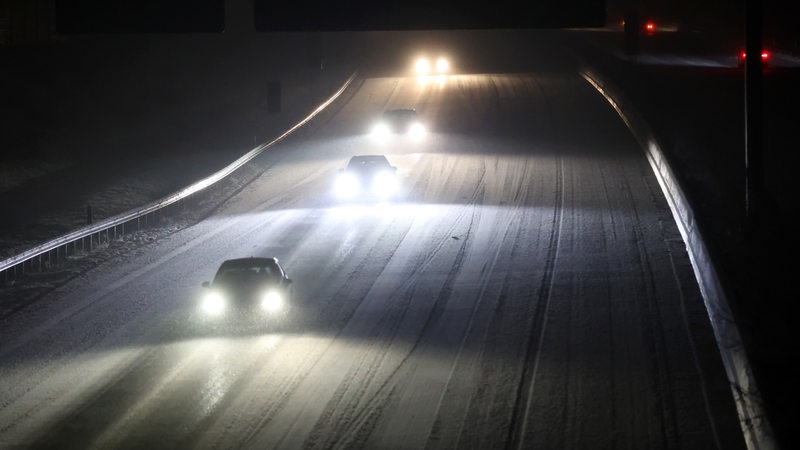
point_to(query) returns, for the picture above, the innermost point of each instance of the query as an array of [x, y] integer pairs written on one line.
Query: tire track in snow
[[468, 393], [525, 390], [338, 353], [654, 336], [357, 416]]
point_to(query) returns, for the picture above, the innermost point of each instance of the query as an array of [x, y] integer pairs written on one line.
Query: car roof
[[400, 112], [368, 160], [249, 262]]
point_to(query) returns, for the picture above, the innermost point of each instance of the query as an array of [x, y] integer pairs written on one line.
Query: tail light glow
[[764, 56]]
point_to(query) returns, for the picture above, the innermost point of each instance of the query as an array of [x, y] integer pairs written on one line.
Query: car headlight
[[384, 184], [347, 185], [417, 130], [213, 303], [381, 131], [423, 66], [271, 301], [442, 65]]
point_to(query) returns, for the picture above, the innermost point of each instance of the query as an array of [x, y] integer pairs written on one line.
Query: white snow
[[525, 289]]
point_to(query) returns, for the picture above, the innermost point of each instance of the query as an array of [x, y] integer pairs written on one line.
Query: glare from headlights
[[271, 301], [213, 303], [423, 66], [384, 184], [417, 131], [347, 185], [425, 81], [381, 131], [442, 65]]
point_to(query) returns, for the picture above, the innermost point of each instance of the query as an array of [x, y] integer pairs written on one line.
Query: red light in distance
[[764, 56]]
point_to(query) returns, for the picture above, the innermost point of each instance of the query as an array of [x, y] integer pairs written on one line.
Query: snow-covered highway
[[529, 289]]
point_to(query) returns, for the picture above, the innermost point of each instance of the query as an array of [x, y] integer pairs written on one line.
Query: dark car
[[404, 121], [367, 177], [252, 287]]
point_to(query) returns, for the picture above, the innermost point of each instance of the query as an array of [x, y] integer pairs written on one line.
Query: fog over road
[[529, 289]]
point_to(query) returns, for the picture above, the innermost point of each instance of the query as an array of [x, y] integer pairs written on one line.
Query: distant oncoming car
[[403, 121], [253, 288], [424, 66], [367, 177]]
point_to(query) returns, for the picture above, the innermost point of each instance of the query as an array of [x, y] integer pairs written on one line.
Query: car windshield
[[368, 163], [242, 273], [400, 114]]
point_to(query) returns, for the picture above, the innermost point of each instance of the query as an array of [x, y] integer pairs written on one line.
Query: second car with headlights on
[[255, 289], [367, 177], [425, 66], [400, 121]]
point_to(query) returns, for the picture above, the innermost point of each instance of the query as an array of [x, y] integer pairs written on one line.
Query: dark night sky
[[143, 16], [208, 16], [140, 16]]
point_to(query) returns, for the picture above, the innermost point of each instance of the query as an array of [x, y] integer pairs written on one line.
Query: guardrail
[[51, 253]]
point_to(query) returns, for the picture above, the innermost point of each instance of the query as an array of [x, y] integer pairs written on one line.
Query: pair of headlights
[[383, 184], [382, 130], [214, 303], [425, 67]]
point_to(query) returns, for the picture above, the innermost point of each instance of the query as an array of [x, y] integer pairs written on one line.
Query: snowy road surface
[[528, 290]]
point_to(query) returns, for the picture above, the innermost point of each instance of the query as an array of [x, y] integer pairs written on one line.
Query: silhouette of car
[[369, 177], [403, 121], [254, 288]]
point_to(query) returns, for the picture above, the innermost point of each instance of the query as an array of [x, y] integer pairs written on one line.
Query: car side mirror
[[205, 284]]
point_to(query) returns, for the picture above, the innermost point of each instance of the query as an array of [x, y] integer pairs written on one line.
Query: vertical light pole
[[757, 301], [753, 93], [755, 214]]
